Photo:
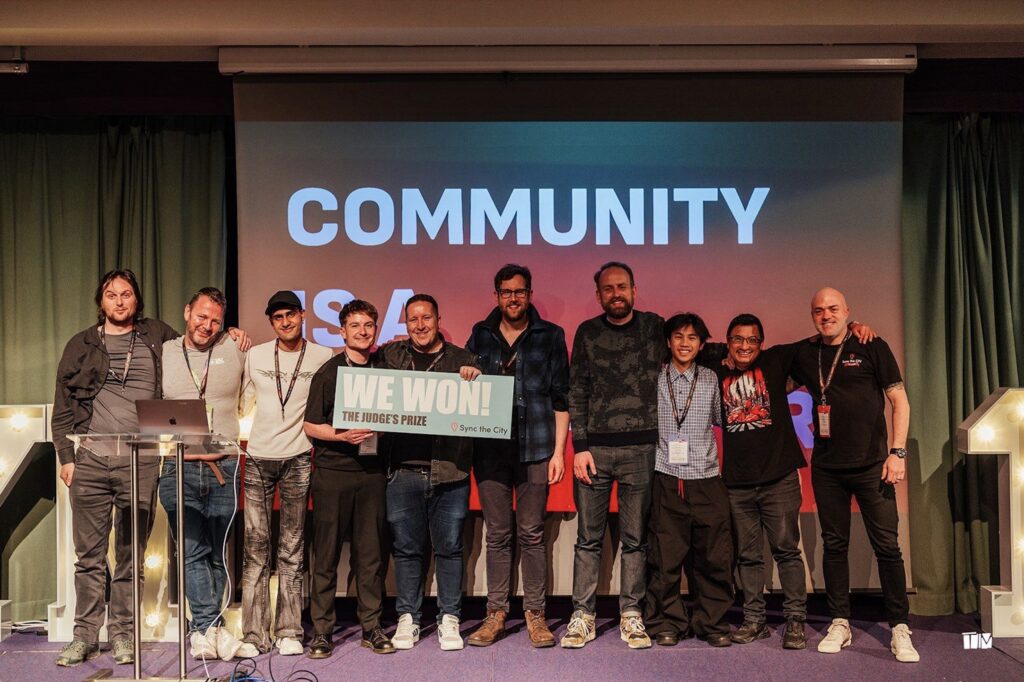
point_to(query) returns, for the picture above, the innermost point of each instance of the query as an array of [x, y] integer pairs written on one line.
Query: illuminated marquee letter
[[296, 225], [414, 210], [607, 208], [483, 210], [353, 222], [745, 215]]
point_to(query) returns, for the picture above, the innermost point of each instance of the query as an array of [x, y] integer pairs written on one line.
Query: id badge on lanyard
[[825, 421], [679, 451], [369, 446]]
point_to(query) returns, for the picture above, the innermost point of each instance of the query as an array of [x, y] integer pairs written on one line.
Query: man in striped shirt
[[690, 524]]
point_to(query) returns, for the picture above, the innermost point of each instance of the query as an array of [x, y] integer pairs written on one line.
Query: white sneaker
[[902, 646], [289, 646], [633, 633], [227, 644], [201, 647], [448, 633], [838, 638], [248, 650], [407, 633], [580, 631]]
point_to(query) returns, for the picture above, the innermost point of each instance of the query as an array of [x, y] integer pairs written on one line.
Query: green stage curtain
[[964, 319], [79, 197]]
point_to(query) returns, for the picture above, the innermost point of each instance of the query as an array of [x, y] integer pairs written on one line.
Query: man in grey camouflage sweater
[[613, 408]]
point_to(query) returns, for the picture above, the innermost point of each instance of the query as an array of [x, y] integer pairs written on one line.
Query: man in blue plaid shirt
[[690, 524]]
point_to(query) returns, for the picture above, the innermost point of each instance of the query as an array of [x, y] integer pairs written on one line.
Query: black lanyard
[[295, 375], [824, 383], [672, 395], [201, 387], [412, 363], [127, 359]]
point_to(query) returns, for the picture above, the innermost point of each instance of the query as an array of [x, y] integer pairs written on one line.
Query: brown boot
[[537, 627], [490, 631]]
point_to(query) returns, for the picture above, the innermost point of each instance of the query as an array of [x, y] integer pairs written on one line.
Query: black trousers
[[833, 489], [344, 503], [690, 531]]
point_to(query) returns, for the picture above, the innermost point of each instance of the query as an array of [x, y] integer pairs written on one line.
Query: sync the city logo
[[640, 217], [977, 640]]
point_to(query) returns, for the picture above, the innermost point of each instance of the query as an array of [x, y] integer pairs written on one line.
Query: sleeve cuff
[[580, 445]]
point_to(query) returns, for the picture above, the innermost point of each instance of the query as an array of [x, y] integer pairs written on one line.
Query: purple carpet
[[27, 657]]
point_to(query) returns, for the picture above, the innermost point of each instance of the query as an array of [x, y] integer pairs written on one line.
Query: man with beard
[[348, 495], [103, 371], [613, 404], [847, 379], [277, 377], [428, 489], [515, 341], [206, 365]]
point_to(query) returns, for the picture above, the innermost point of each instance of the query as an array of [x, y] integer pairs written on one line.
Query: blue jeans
[[419, 513], [208, 510], [632, 466]]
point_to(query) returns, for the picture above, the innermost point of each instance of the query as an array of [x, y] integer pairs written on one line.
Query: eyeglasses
[[749, 340], [509, 293]]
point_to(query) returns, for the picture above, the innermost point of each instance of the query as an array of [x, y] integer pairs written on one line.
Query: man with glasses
[[760, 462], [515, 341], [277, 377]]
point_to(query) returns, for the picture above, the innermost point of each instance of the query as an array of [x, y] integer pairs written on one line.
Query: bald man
[[852, 459]]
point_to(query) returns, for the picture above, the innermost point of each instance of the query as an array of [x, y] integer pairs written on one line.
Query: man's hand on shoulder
[[240, 338]]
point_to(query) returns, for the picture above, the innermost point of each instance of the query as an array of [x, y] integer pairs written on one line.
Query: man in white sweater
[[277, 377]]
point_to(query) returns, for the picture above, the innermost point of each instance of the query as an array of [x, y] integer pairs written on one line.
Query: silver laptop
[[181, 417]]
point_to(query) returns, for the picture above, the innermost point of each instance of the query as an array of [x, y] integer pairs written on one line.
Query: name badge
[[825, 421], [679, 451], [209, 417], [369, 446]]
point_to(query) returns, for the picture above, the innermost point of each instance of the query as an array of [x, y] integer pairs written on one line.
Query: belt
[[418, 468], [217, 473]]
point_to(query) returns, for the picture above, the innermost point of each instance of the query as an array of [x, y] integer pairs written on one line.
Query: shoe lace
[[901, 636], [634, 625], [579, 626], [835, 630]]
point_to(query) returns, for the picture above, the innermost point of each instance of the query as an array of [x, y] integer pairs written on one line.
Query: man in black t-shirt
[[760, 462], [847, 379], [348, 486]]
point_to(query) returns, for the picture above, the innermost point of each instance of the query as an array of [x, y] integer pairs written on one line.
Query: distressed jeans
[[209, 507], [422, 516], [291, 477], [632, 466]]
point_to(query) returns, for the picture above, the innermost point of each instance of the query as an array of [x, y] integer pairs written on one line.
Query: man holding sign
[[348, 486], [428, 488], [514, 341]]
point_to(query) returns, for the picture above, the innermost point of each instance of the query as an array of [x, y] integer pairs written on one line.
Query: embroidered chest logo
[[271, 374], [852, 361]]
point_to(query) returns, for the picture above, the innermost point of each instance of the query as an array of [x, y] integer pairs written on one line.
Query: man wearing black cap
[[277, 376]]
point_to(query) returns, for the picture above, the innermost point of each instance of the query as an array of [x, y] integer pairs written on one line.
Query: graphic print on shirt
[[271, 374], [745, 402]]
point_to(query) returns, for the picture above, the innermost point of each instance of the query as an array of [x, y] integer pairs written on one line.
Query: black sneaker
[[376, 641], [794, 637], [750, 632], [321, 647]]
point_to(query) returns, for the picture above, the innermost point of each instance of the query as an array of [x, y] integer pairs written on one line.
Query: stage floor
[[29, 657]]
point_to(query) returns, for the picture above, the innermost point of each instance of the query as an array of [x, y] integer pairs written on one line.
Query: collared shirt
[[705, 412]]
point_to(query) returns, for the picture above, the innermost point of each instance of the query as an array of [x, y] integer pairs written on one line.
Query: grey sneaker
[[580, 631], [77, 651], [123, 650]]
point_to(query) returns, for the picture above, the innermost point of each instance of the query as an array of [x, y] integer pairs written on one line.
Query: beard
[[620, 312]]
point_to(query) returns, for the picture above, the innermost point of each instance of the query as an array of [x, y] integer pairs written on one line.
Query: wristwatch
[[899, 452]]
